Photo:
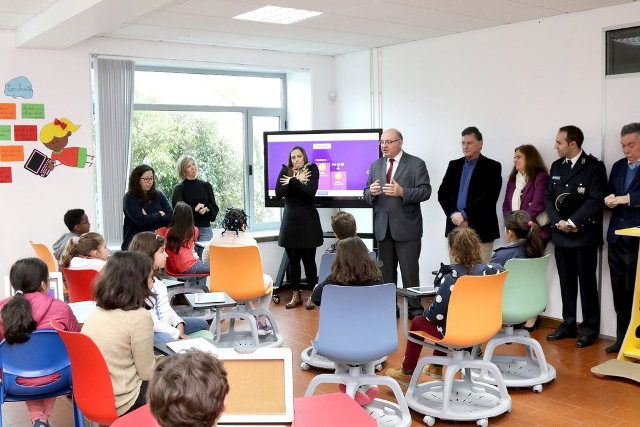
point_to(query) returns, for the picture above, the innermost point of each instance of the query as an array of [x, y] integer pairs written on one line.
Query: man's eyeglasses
[[148, 179], [388, 142]]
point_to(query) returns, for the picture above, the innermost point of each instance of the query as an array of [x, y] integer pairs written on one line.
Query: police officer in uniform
[[578, 234]]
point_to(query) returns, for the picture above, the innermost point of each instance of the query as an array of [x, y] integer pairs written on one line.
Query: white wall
[[33, 207], [518, 83]]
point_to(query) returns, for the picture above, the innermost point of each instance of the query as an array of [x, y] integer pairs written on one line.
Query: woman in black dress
[[300, 230]]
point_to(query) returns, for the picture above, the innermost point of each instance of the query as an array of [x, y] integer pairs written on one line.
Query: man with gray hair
[[624, 202]]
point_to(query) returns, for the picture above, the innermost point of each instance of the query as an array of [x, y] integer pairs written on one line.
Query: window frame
[[248, 112]]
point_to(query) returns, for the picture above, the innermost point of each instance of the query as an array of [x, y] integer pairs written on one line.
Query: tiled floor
[[575, 398]]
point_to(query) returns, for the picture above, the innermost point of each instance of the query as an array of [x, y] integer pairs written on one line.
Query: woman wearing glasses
[[145, 207]]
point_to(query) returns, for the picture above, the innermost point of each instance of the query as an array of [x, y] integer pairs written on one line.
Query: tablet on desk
[[423, 290], [209, 298]]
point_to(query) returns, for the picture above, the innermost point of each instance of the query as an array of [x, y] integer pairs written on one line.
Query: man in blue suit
[[397, 184], [624, 202]]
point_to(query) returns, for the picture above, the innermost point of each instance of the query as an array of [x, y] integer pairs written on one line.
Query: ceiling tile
[[222, 8], [487, 8], [149, 31], [209, 37], [382, 11], [377, 41], [473, 24], [433, 19], [336, 22], [541, 3], [394, 29], [178, 20], [580, 5], [526, 15], [319, 47], [258, 42], [431, 4], [325, 6]]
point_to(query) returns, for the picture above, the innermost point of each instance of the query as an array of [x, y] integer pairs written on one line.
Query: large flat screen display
[[343, 158]]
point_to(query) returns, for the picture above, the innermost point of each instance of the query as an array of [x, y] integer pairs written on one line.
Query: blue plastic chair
[[364, 317], [43, 354]]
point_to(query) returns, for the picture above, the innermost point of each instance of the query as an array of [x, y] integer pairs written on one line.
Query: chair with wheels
[[190, 286], [474, 316], [309, 356], [371, 331], [80, 283], [524, 297], [92, 386], [43, 253], [238, 272], [43, 354]]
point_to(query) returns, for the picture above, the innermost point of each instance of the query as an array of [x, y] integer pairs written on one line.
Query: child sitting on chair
[[32, 308], [352, 266], [188, 389], [523, 235], [233, 236], [181, 238], [78, 223], [167, 325], [343, 225], [87, 252], [464, 247]]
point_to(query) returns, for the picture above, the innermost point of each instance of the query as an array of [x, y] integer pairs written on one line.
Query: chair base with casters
[[517, 371], [311, 358], [458, 399], [385, 413], [246, 338]]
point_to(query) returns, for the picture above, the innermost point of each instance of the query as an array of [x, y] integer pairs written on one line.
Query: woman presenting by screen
[[300, 230]]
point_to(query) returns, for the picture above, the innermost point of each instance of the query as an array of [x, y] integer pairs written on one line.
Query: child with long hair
[[233, 235], [181, 236], [523, 235], [122, 328], [352, 266], [29, 309], [464, 247], [86, 252], [167, 325]]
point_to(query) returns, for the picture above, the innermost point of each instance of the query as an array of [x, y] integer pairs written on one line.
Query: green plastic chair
[[524, 297]]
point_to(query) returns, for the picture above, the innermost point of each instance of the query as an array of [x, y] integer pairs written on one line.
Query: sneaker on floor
[[360, 398], [434, 371], [264, 328], [40, 423], [399, 376]]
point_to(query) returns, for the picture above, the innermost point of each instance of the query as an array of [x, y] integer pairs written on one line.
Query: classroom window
[[219, 119], [623, 51]]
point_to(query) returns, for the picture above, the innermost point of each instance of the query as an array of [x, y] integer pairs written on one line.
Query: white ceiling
[[346, 26]]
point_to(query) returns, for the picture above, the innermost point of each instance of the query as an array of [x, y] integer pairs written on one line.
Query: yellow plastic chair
[[525, 297], [474, 316], [238, 272]]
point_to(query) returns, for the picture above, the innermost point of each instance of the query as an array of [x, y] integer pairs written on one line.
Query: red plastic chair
[[138, 418], [92, 386], [80, 284]]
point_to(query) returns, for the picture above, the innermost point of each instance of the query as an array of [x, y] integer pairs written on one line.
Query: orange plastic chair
[[43, 253], [140, 417], [474, 316], [80, 284], [92, 386], [238, 272]]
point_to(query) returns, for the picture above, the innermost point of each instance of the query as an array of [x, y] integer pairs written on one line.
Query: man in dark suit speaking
[[397, 183], [581, 181], [469, 192], [624, 202]]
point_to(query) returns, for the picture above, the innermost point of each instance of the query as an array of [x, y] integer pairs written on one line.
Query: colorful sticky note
[[5, 133], [11, 153], [25, 133], [7, 111], [5, 175], [32, 111]]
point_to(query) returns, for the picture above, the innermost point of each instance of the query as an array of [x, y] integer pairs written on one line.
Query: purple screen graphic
[[343, 164]]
